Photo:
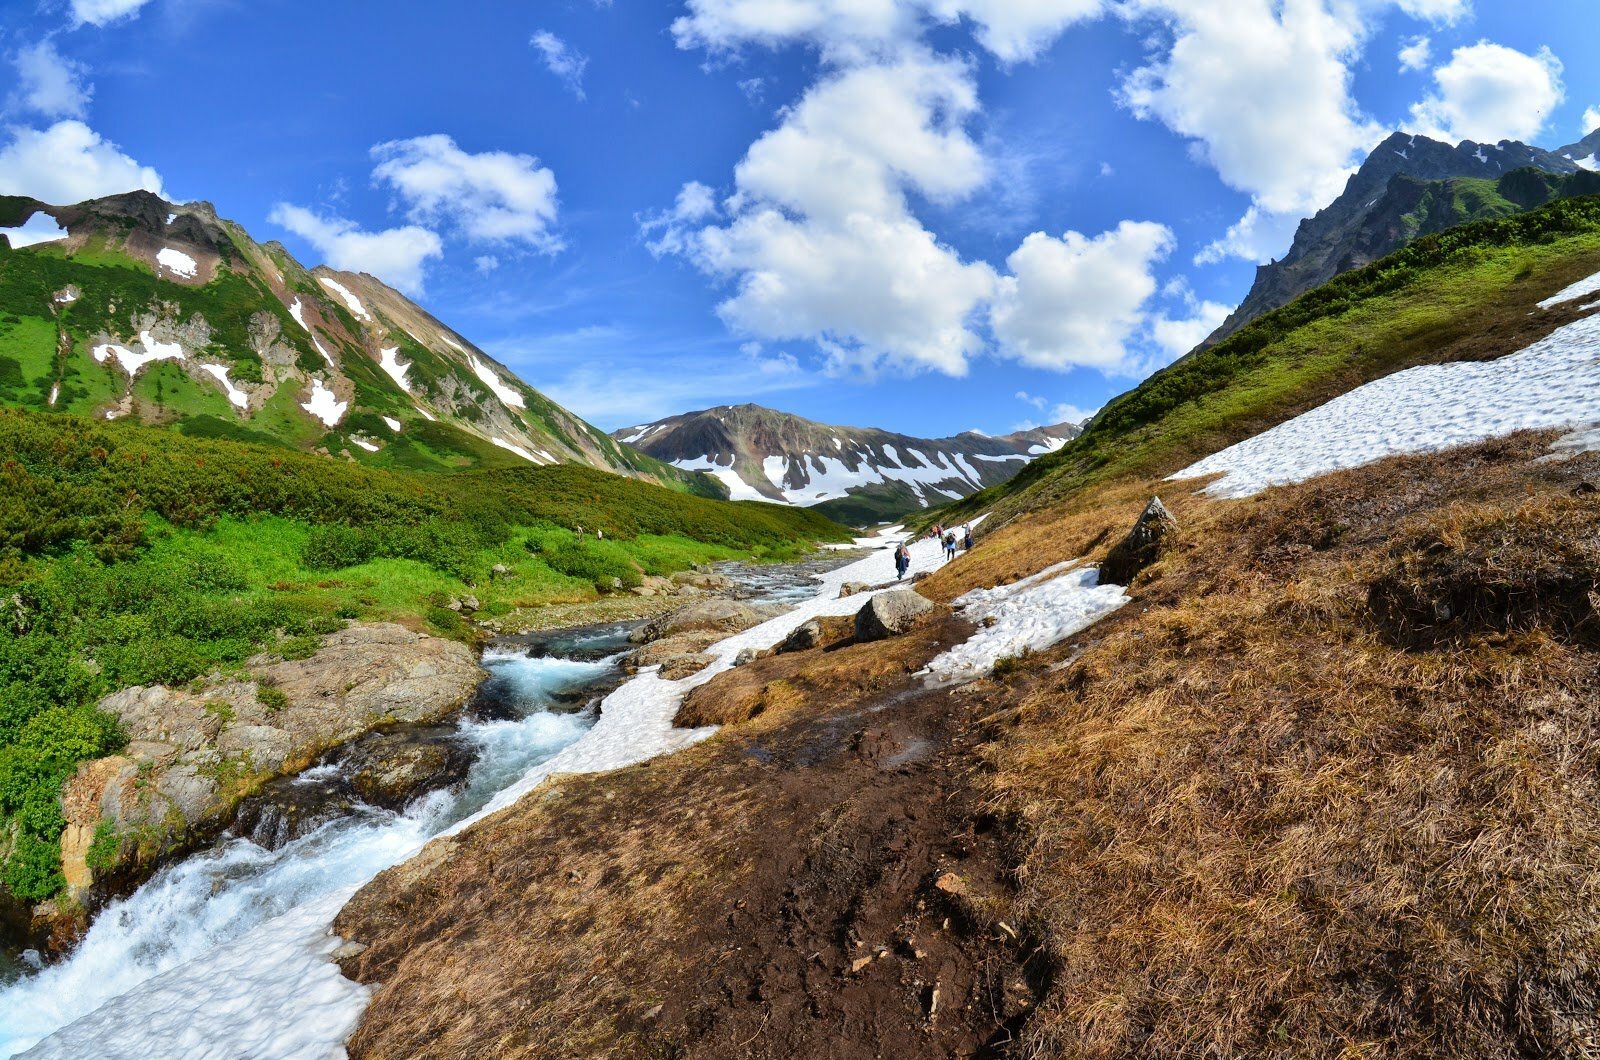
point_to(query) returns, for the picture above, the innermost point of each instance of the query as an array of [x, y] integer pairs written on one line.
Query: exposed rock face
[[191, 756], [681, 666], [806, 636], [706, 616], [1141, 547], [890, 614], [659, 651]]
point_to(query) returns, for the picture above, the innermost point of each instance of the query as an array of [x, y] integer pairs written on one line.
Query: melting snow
[[325, 405], [55, 392], [1027, 615], [829, 478], [1050, 445], [40, 228], [326, 356], [494, 382], [1581, 289], [389, 361], [1589, 163], [1553, 383], [426, 414], [370, 447], [132, 362], [235, 395], [299, 314], [394, 424], [350, 299], [177, 261], [997, 459], [502, 443], [67, 295], [171, 217], [1482, 156]]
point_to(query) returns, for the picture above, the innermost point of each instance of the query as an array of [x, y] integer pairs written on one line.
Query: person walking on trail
[[949, 545], [902, 561], [966, 538]]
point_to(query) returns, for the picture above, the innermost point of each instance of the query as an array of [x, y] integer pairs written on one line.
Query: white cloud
[[104, 12], [1176, 337], [822, 243], [486, 263], [850, 31], [696, 204], [1264, 91], [1445, 12], [1591, 120], [49, 84], [562, 60], [68, 163], [1488, 92], [396, 256], [1054, 412], [1258, 236], [1078, 301], [492, 197], [1416, 54]]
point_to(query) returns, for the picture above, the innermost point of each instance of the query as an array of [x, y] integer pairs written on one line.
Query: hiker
[[966, 538], [902, 561], [949, 545]]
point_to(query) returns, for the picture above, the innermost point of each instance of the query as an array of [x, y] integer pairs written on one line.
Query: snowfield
[[350, 300], [738, 488], [392, 423], [177, 261], [502, 443], [220, 371], [324, 404], [1028, 615], [150, 351], [1581, 289], [496, 384], [299, 315], [1552, 384], [389, 361]]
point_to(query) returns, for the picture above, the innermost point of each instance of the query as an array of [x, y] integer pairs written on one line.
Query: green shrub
[[104, 848], [274, 699]]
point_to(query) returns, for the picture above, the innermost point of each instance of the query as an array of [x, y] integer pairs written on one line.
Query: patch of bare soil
[[821, 882]]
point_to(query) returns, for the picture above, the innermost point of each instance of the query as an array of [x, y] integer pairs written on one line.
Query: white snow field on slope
[[220, 372], [1581, 289], [389, 361], [272, 993], [1553, 383], [350, 300], [738, 488], [325, 404], [1031, 614], [177, 261], [495, 383], [509, 447], [132, 362]]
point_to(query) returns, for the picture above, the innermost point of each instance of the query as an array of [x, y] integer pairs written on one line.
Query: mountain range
[[1411, 186], [852, 474], [134, 307]]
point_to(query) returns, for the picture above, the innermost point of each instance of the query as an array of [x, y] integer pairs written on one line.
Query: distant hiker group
[[950, 539]]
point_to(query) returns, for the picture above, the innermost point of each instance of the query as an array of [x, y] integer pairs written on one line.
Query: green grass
[[137, 555], [1460, 293]]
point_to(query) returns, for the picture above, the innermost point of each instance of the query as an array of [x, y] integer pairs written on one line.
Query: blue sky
[[925, 215]]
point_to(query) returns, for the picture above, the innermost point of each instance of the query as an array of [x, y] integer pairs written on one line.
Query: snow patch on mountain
[[1582, 289], [350, 300], [325, 405], [389, 361], [177, 261], [509, 447], [220, 371], [496, 384], [132, 362], [1553, 383]]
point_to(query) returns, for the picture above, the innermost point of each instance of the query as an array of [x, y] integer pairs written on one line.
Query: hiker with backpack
[[902, 561]]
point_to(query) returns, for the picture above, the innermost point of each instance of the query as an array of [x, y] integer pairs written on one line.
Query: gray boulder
[[680, 666], [806, 635], [890, 614], [706, 616], [1142, 547]]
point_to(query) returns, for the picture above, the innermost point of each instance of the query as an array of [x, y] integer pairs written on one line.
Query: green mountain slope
[[1464, 294], [135, 555], [168, 314]]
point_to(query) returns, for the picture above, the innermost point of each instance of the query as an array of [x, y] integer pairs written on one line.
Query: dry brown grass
[[1252, 826]]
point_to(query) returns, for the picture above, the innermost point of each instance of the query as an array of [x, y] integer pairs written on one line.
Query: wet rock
[[706, 616], [284, 810], [392, 768], [659, 651], [703, 580], [1142, 546], [681, 666], [853, 589], [746, 656], [806, 636], [890, 614]]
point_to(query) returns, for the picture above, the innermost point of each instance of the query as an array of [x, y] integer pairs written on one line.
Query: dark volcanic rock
[[1141, 547], [392, 768]]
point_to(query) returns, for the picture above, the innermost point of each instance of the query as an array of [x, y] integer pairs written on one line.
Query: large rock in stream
[[725, 617], [192, 756]]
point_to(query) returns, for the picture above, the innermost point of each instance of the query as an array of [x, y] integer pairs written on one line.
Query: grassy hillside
[[135, 555], [1459, 295]]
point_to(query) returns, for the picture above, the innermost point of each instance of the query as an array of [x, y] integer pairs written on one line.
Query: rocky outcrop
[[706, 616], [1142, 546], [659, 651], [681, 666], [806, 635], [193, 755], [890, 614]]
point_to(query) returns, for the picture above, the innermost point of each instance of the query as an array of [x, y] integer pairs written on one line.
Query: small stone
[[500, 570], [859, 963], [653, 1011], [746, 655], [347, 950]]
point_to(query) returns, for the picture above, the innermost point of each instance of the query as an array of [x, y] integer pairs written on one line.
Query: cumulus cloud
[[397, 255], [854, 30], [49, 84], [561, 60], [1488, 92], [68, 163], [1416, 54], [1076, 300], [1177, 336], [673, 232], [1591, 120], [491, 197], [104, 12], [822, 243]]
